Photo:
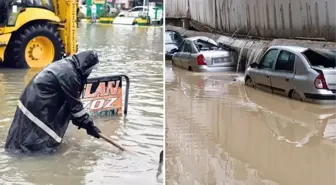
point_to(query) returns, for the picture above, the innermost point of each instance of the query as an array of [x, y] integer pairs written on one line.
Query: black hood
[[85, 61]]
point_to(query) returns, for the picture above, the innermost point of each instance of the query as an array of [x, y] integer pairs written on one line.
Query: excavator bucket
[[103, 96]]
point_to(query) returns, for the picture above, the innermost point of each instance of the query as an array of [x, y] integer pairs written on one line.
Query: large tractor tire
[[35, 46]]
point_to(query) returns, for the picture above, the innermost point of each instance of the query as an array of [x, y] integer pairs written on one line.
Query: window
[[180, 48], [193, 47], [187, 47], [177, 38], [169, 38], [41, 3], [321, 58], [268, 60], [172, 38], [203, 45], [285, 61], [3, 12]]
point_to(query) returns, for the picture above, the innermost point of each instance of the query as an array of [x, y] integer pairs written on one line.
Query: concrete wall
[[269, 18], [177, 8]]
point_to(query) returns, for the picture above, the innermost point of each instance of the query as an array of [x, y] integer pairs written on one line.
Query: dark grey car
[[203, 54]]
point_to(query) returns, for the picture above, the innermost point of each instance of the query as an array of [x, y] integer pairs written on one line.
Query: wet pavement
[[135, 51], [220, 132]]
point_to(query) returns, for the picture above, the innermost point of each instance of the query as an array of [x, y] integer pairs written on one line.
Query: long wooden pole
[[112, 142]]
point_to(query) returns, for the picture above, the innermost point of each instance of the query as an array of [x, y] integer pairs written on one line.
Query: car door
[[185, 55], [177, 55], [265, 67], [283, 73]]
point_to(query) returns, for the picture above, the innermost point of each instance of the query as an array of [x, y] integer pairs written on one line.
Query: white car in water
[[202, 54], [136, 11]]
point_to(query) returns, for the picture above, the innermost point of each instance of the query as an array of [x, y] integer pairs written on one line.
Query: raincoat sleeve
[[71, 90]]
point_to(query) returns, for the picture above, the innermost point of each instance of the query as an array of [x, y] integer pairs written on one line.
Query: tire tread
[[14, 55]]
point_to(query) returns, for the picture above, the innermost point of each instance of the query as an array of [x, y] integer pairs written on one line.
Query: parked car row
[[198, 54], [300, 73]]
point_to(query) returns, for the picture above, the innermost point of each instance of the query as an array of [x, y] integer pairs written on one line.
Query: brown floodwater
[[134, 51], [219, 132]]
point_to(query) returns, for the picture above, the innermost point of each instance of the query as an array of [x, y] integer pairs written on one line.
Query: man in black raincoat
[[49, 102]]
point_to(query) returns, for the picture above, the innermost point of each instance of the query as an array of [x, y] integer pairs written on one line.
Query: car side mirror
[[254, 65]]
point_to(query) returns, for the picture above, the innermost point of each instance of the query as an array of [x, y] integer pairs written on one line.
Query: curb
[[109, 20]]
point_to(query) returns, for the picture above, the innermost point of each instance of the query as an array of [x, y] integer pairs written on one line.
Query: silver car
[[300, 73], [202, 54]]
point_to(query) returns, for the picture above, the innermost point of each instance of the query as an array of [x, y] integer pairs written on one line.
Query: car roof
[[290, 48], [210, 40]]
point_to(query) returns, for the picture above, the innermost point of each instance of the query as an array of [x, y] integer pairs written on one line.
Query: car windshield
[[203, 45], [172, 38], [321, 58]]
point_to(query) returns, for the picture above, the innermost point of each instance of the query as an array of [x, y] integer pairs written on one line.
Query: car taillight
[[201, 60], [320, 82]]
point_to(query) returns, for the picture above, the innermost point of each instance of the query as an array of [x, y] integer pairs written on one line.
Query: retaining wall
[[265, 18]]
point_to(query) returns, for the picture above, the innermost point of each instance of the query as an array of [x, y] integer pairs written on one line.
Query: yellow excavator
[[34, 33]]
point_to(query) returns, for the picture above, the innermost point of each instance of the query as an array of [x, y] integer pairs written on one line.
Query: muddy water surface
[[219, 132], [134, 51]]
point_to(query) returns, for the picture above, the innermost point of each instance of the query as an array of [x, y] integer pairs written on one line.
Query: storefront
[[126, 5]]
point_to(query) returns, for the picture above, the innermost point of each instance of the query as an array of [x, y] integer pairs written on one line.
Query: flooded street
[[134, 51], [219, 132]]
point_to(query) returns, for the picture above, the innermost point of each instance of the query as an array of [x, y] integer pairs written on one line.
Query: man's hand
[[82, 121], [86, 122], [92, 130]]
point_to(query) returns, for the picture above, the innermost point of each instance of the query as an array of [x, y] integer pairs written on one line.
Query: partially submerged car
[[300, 73], [202, 54], [135, 11], [172, 40]]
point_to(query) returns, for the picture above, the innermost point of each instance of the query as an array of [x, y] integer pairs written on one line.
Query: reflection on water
[[81, 159], [220, 132]]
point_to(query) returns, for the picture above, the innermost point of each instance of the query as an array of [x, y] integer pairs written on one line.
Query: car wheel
[[249, 82], [295, 95]]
